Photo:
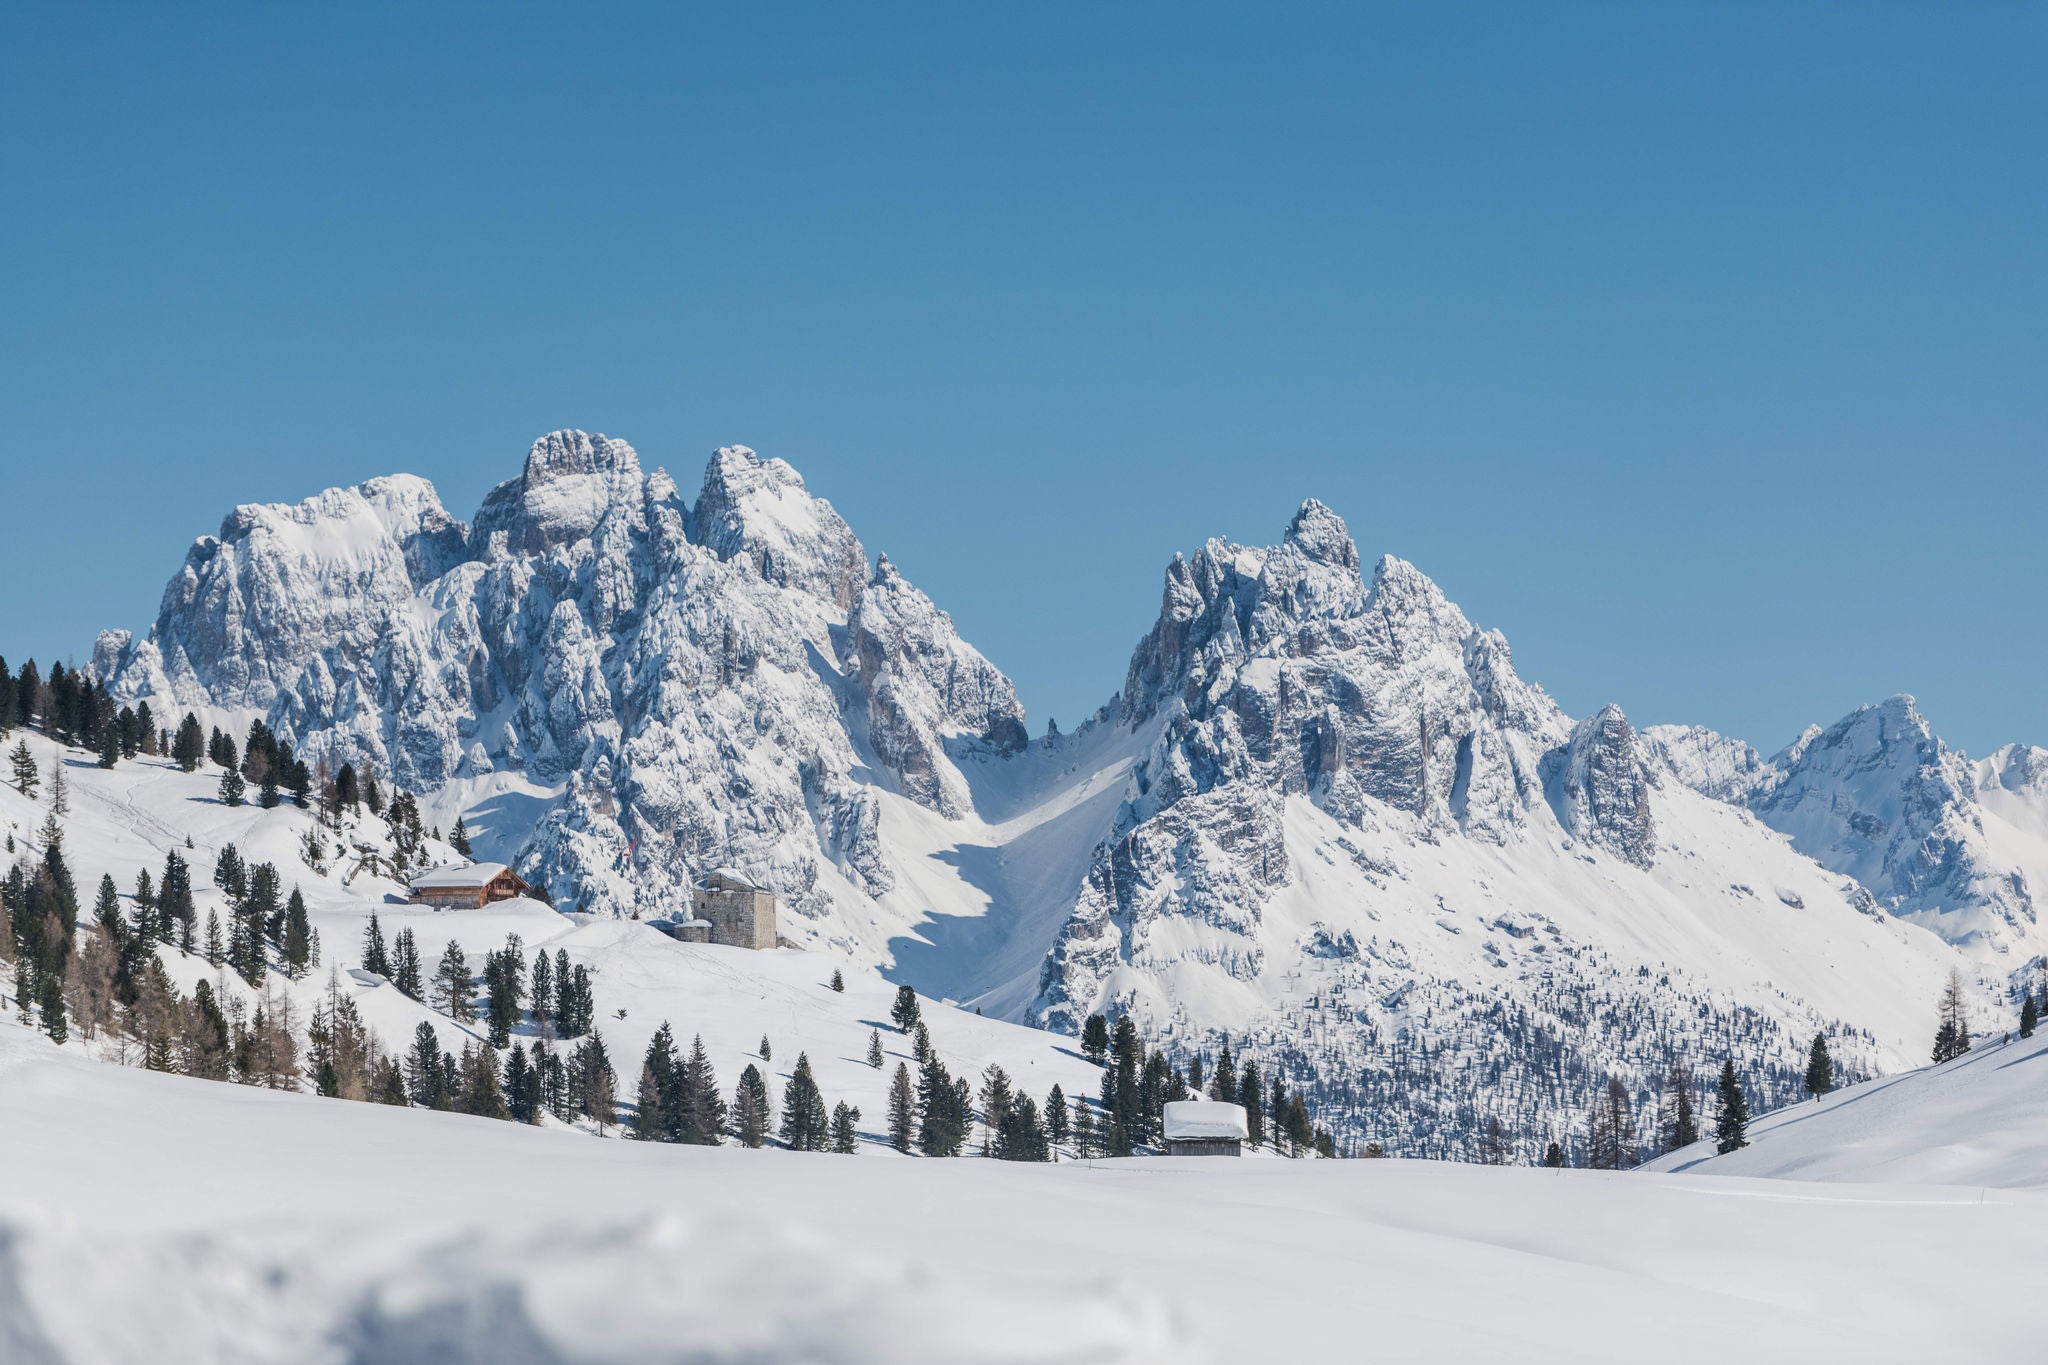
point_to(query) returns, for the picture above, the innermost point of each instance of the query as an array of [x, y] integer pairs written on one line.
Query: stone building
[[727, 908]]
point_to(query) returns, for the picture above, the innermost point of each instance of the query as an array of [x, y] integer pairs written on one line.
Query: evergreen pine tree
[[216, 947], [902, 1109], [190, 744], [845, 1133], [424, 1081], [1820, 1068], [1056, 1127], [2030, 1016], [405, 964], [298, 937], [1254, 1112], [1095, 1039], [1223, 1083], [921, 1043], [652, 1121], [704, 1111], [875, 1046], [232, 787], [376, 957], [452, 985], [1731, 1125], [110, 746], [764, 1052], [838, 981], [27, 776], [459, 840], [50, 1005], [750, 1108], [1553, 1155], [905, 1011], [805, 1121]]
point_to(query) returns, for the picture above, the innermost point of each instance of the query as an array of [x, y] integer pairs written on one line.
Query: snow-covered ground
[[1980, 1120], [128, 819], [152, 1217]]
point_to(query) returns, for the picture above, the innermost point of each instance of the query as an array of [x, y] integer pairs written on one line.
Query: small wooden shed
[[1205, 1128]]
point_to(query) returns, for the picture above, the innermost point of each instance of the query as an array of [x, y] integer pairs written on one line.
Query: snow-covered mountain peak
[[571, 480], [1321, 535], [759, 513]]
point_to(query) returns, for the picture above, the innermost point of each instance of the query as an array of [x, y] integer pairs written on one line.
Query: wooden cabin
[[467, 888], [1205, 1128]]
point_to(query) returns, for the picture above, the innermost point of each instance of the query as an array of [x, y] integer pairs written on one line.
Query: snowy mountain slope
[[1324, 813], [255, 1226], [128, 819], [1956, 846], [1977, 1121], [1358, 840], [692, 686]]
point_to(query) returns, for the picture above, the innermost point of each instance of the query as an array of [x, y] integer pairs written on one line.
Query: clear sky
[[1701, 350]]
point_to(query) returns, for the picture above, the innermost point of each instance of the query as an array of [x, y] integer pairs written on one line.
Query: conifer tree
[[1095, 1039], [902, 1109], [452, 985], [521, 1098], [1084, 1129], [50, 1005], [805, 1121], [905, 1012], [1731, 1125], [110, 746], [27, 776], [1553, 1155], [652, 1121], [764, 1052], [943, 1113], [376, 957], [1952, 1038], [1248, 1095], [60, 788], [459, 839], [845, 1133], [405, 964], [232, 787], [1677, 1120], [1223, 1083], [750, 1108], [838, 981], [1820, 1068], [921, 1043], [2030, 1016], [424, 1082], [298, 937], [543, 989], [190, 745], [875, 1045], [1056, 1128], [703, 1110], [997, 1097]]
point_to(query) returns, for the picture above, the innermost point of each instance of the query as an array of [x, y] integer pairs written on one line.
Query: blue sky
[[1701, 350]]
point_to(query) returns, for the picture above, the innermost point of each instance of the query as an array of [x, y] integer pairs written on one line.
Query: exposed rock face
[[703, 683], [1604, 787], [1278, 672]]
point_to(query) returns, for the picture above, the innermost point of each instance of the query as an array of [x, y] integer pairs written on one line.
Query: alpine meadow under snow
[[1324, 852]]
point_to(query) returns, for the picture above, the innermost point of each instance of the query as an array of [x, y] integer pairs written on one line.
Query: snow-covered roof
[[730, 875], [458, 878], [1205, 1120]]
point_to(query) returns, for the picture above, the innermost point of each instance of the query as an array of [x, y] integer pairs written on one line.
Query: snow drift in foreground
[[175, 1219], [1978, 1120]]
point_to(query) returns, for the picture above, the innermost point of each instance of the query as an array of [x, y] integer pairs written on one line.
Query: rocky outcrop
[[1603, 787]]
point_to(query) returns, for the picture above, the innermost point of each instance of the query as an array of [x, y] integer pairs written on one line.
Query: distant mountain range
[[1324, 816]]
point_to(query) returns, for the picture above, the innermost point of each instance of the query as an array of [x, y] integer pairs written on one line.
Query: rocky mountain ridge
[[1324, 816]]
